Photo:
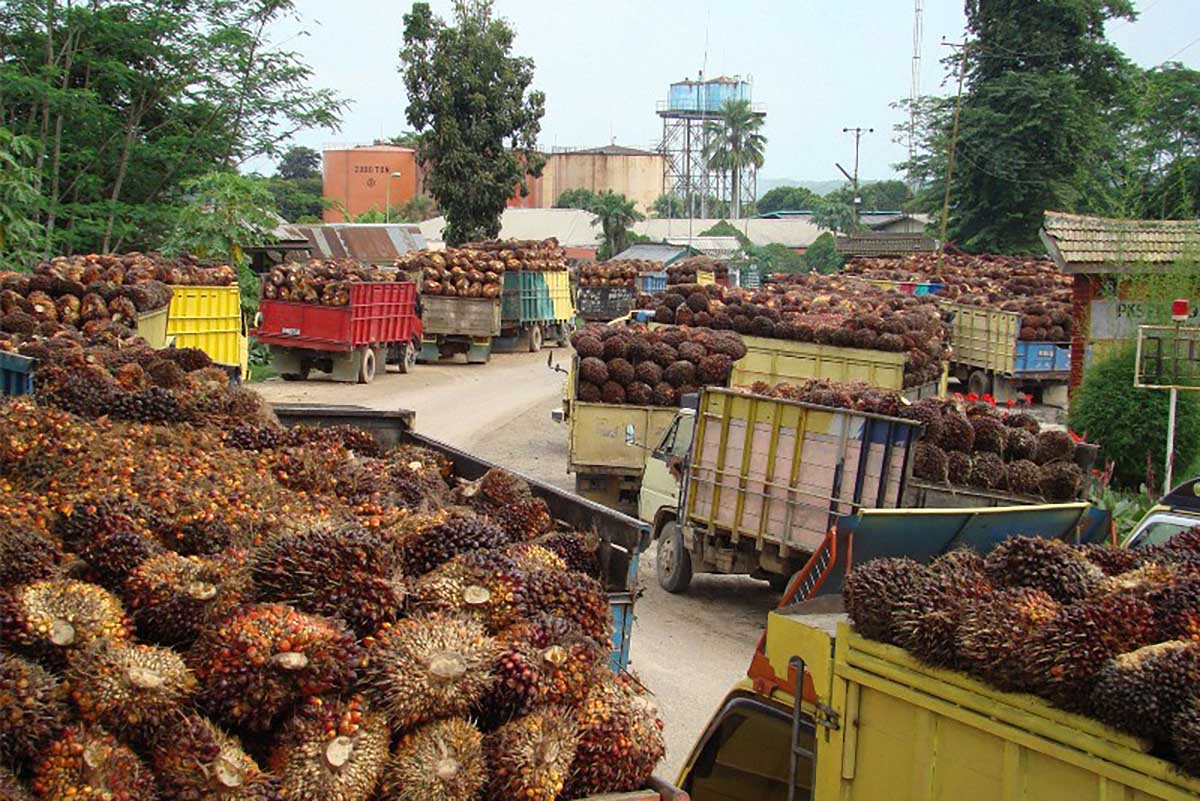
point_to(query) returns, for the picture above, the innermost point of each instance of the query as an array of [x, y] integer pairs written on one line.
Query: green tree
[[468, 97], [614, 214], [835, 215], [726, 228], [576, 199], [418, 209], [1159, 174], [777, 258], [1036, 117], [787, 198], [404, 139], [298, 163], [126, 100], [1130, 424], [735, 143], [668, 206], [822, 255], [19, 202]]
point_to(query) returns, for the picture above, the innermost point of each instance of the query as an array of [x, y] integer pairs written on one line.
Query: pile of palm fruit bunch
[[963, 443], [321, 282], [827, 310], [242, 612], [685, 271], [640, 366], [476, 270], [1033, 288], [616, 273], [95, 295], [1101, 631]]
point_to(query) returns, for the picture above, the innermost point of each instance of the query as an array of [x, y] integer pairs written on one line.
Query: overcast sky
[[817, 65]]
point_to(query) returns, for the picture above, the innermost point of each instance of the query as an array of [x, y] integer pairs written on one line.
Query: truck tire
[[407, 358], [302, 375], [980, 383], [366, 370], [535, 338], [674, 564]]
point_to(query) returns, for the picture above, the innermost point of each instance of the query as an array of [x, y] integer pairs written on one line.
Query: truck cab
[[662, 481], [1178, 511]]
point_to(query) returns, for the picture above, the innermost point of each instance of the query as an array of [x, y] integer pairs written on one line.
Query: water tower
[[686, 114]]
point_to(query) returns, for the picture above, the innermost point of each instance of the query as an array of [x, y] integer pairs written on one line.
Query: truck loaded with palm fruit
[[962, 660], [249, 610]]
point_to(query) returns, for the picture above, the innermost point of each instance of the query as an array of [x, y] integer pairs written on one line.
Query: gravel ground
[[688, 649]]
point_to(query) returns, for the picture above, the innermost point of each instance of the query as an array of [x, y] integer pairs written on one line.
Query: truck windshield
[[746, 757], [1159, 529]]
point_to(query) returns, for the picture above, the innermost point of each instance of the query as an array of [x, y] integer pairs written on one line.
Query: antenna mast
[[915, 90]]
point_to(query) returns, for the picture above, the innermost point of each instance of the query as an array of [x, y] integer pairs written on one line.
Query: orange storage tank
[[359, 179]]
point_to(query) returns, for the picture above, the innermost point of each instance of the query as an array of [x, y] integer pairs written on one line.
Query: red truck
[[381, 324]]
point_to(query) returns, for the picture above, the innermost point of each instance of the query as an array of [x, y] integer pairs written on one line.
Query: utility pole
[[858, 133], [962, 75]]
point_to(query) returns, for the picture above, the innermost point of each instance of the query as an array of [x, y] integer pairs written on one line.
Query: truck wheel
[[300, 375], [980, 383], [535, 339], [674, 562], [408, 357], [366, 372]]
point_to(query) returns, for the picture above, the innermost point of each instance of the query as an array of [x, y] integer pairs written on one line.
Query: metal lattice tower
[[914, 95], [693, 105]]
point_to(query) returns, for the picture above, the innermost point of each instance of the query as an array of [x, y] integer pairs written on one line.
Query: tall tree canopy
[[787, 198], [735, 144], [614, 214], [469, 99], [126, 100]]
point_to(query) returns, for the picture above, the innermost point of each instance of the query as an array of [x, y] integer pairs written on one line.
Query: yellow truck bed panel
[[210, 318], [597, 436], [911, 732], [985, 338], [775, 360]]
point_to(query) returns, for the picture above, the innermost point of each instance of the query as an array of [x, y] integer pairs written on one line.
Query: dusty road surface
[[688, 649]]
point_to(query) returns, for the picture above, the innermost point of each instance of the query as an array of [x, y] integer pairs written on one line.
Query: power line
[[1187, 46]]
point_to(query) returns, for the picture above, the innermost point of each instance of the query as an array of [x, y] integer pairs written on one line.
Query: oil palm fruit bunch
[[620, 738], [1061, 659], [523, 520], [331, 750], [252, 665], [1054, 446], [1141, 691], [1110, 559], [195, 760], [991, 435], [110, 535], [430, 666], [987, 471], [429, 548], [1024, 477], [129, 688], [347, 572], [1060, 481], [957, 433], [1147, 581], [545, 661], [1178, 609], [930, 464], [531, 757], [173, 597], [89, 764], [26, 556], [875, 590], [1185, 737], [440, 761], [11, 788], [51, 617], [573, 596], [927, 621], [485, 586], [993, 630], [1043, 564], [32, 708], [532, 556], [581, 552]]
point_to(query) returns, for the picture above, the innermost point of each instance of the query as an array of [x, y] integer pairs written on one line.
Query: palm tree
[[734, 143], [614, 214]]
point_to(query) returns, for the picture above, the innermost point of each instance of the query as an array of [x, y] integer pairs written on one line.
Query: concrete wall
[[358, 178], [638, 177]]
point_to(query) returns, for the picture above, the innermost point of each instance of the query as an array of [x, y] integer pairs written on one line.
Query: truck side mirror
[[629, 435]]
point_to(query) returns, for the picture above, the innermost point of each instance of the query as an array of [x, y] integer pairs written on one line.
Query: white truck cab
[[662, 481], [1178, 511]]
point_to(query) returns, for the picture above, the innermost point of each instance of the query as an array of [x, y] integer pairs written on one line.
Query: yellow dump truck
[[609, 470]]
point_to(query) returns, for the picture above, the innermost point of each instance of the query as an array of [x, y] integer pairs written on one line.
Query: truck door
[[744, 756], [663, 477]]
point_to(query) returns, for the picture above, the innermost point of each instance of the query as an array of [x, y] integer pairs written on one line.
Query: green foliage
[[787, 198], [777, 258], [835, 215], [19, 201], [299, 163], [614, 214], [1130, 424], [822, 255], [301, 196], [468, 97], [725, 228], [126, 100], [735, 143], [1127, 507], [419, 209], [891, 195], [403, 139], [576, 199], [668, 206]]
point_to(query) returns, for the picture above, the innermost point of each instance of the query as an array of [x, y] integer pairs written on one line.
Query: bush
[[1130, 424]]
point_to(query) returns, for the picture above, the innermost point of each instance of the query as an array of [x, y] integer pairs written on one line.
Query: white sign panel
[[1119, 319]]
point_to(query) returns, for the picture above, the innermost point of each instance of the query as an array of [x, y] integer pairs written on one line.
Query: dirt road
[[688, 649]]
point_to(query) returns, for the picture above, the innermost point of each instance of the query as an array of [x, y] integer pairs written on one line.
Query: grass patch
[[261, 372]]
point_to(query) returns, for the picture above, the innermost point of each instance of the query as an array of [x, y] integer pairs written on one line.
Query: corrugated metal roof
[[793, 232], [370, 243], [885, 244], [1083, 244], [651, 251], [719, 247], [571, 227], [610, 150]]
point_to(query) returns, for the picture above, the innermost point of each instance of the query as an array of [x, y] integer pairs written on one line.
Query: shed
[[718, 247], [369, 243], [652, 251], [883, 244], [1097, 250]]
